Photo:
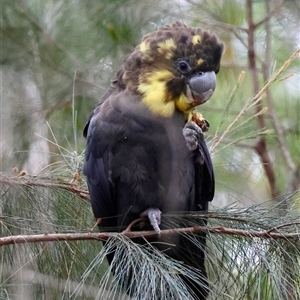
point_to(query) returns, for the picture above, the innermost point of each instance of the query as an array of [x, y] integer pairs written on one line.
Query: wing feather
[[204, 175]]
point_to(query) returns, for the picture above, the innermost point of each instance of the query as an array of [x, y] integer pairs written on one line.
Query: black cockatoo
[[145, 156]]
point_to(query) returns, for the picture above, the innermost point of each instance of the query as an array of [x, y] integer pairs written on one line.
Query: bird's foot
[[192, 134], [154, 215]]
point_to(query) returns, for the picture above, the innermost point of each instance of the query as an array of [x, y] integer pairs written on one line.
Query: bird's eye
[[183, 67]]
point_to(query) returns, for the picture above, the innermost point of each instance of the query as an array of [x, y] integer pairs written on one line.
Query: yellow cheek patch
[[152, 86], [166, 48], [156, 97], [182, 103], [184, 106], [196, 39]]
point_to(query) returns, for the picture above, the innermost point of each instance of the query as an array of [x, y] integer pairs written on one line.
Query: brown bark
[[261, 145]]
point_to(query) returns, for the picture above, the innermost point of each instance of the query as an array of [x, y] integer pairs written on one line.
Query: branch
[[261, 146], [28, 181], [55, 237]]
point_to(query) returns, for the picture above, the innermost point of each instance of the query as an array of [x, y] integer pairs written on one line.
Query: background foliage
[[57, 58]]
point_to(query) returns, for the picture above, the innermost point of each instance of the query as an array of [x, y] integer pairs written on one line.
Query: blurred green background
[[57, 59], [56, 55], [56, 52]]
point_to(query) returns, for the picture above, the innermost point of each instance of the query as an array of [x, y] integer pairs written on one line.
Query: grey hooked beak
[[201, 87]]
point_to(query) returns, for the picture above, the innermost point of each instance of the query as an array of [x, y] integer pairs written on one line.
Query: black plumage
[[142, 156]]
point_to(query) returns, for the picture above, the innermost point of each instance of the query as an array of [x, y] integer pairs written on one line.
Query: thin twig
[[283, 225], [267, 17], [129, 227], [257, 98], [27, 181]]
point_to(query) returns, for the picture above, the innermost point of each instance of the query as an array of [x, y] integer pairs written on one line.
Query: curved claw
[[192, 133], [154, 216]]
